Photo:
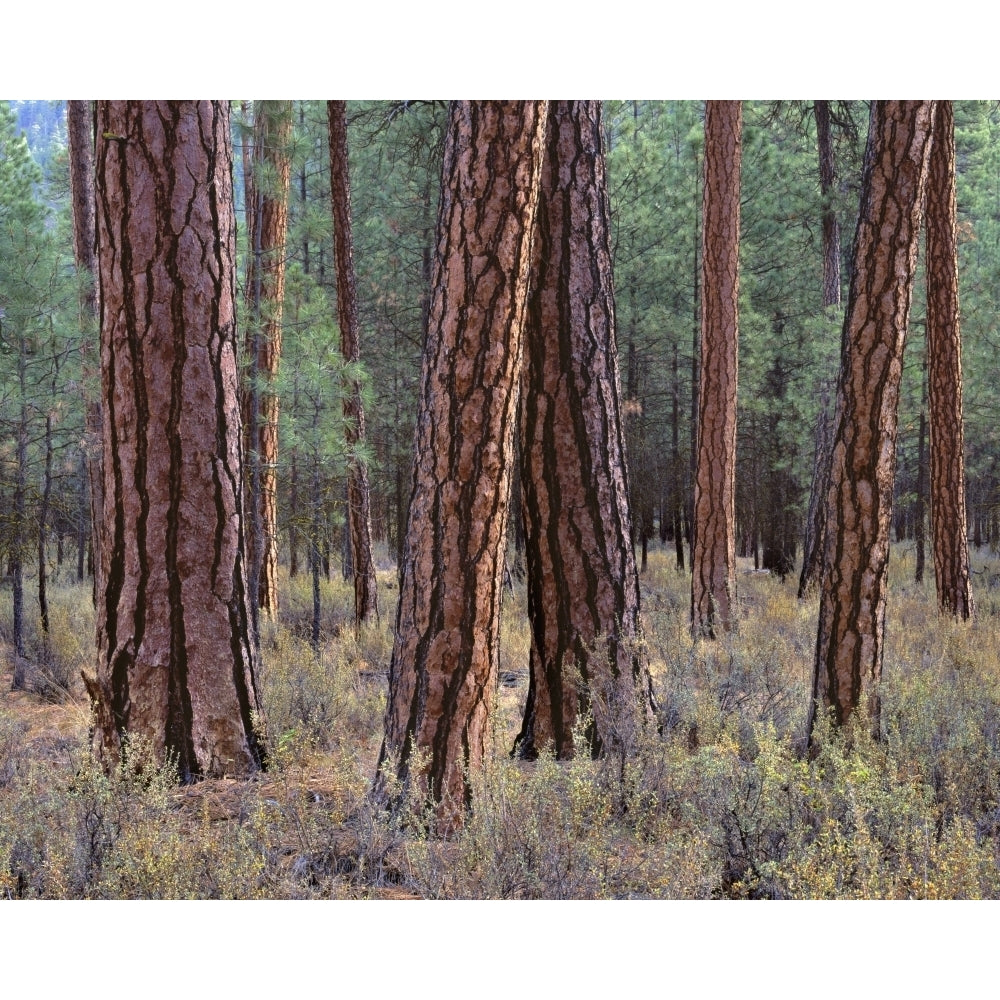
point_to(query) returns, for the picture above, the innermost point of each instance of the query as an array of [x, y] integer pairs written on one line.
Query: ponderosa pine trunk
[[713, 558], [80, 136], [445, 661], [359, 520], [583, 586], [949, 529], [267, 169], [850, 637], [177, 658]]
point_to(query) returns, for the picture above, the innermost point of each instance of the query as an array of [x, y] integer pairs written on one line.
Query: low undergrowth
[[718, 798]]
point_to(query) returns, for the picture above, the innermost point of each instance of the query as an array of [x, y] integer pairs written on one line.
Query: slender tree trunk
[[918, 506], [695, 372], [253, 200], [517, 511], [315, 556], [177, 657], [43, 516], [944, 351], [346, 553], [676, 486], [713, 560], [267, 170], [19, 676], [359, 522], [831, 224], [583, 587], [293, 506], [80, 135], [850, 639], [445, 660], [816, 518], [82, 520], [814, 541]]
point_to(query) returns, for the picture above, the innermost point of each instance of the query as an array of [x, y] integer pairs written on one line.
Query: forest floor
[[718, 801]]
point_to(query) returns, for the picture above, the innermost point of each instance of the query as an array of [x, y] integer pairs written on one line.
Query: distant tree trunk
[[918, 506], [315, 555], [814, 541], [445, 660], [359, 521], [293, 505], [83, 518], [177, 657], [944, 351], [831, 225], [689, 515], [713, 560], [583, 587], [813, 544], [517, 512], [80, 136], [849, 644], [676, 486], [346, 553], [267, 177], [43, 516], [19, 676]]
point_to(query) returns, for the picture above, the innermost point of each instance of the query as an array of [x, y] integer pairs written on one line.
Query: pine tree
[[445, 659], [267, 173], [80, 120], [32, 288], [850, 641], [944, 356], [583, 587], [177, 659], [713, 557], [358, 528]]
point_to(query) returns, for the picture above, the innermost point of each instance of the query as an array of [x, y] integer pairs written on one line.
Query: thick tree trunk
[[944, 351], [176, 653], [583, 587], [849, 644], [713, 559], [445, 659], [359, 521], [80, 135], [267, 177]]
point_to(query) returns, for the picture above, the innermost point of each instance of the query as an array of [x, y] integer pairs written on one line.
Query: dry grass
[[719, 801]]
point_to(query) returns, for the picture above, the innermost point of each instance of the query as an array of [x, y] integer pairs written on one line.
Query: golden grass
[[719, 801]]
